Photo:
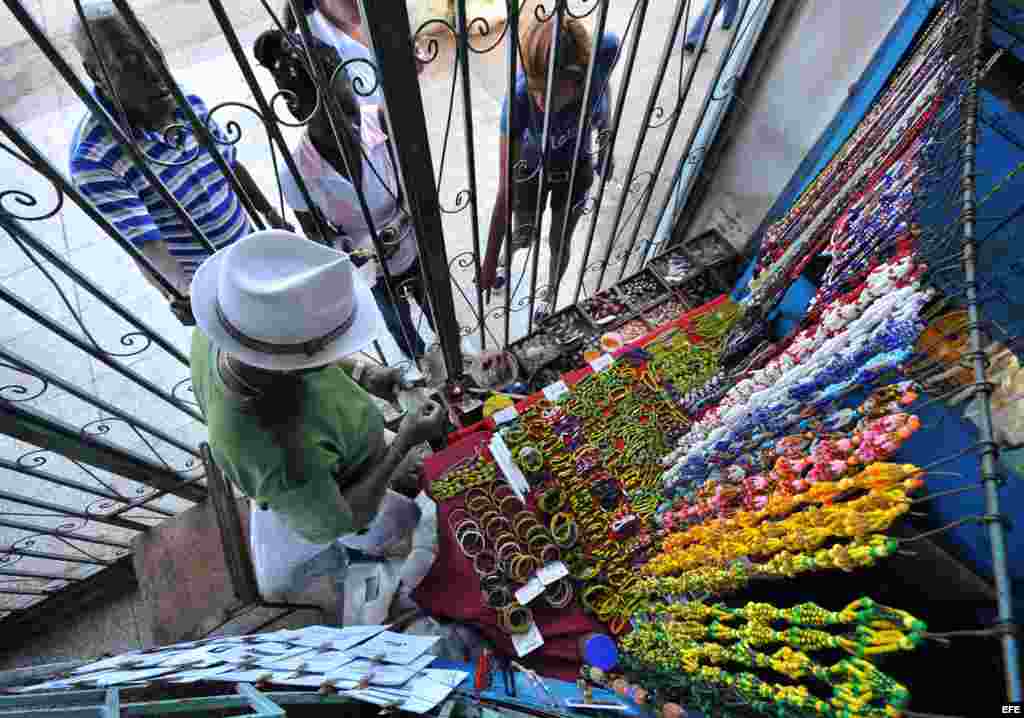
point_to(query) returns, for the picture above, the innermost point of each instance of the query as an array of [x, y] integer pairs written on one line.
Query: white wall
[[822, 54]]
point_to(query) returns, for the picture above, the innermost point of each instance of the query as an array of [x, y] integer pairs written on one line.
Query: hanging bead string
[[682, 649]]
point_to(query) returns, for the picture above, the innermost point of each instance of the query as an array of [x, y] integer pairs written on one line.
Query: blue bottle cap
[[599, 650]]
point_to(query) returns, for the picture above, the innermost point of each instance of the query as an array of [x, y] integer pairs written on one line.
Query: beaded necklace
[[684, 650]]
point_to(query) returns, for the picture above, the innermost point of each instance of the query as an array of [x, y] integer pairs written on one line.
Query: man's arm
[[364, 497], [159, 255]]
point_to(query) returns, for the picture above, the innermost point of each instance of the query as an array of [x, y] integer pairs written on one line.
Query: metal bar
[[266, 708], [102, 116], [202, 132], [989, 450], [54, 699], [329, 104], [71, 513], [39, 429], [512, 33], [673, 123], [58, 533], [25, 308], [42, 165], [266, 112], [29, 553], [14, 573], [462, 60], [620, 103], [545, 153], [72, 484], [388, 29], [24, 592], [38, 371], [112, 706], [581, 126], [32, 674], [682, 7]]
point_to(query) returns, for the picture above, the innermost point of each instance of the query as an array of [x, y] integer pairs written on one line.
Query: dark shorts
[[524, 194]]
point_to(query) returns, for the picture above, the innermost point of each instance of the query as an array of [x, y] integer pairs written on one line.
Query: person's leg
[[397, 323], [419, 293], [560, 245], [730, 8], [693, 37]]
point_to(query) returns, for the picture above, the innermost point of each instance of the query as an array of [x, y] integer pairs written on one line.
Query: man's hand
[[422, 425], [383, 382], [277, 221], [407, 475], [182, 309]]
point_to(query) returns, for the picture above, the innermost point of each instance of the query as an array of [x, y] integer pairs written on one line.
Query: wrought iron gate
[[100, 429]]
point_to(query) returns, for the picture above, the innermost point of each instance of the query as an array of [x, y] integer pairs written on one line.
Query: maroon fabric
[[452, 589]]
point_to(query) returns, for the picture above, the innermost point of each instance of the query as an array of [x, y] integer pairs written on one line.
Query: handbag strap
[[391, 154]]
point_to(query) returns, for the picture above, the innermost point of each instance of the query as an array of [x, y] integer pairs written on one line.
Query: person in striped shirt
[[130, 87]]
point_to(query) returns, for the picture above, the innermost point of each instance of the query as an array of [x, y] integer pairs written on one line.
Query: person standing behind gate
[[522, 125], [332, 184], [127, 77], [728, 7]]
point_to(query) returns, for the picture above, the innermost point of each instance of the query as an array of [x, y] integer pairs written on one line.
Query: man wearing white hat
[[290, 420]]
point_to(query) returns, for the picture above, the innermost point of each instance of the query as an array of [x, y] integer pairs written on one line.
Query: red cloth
[[452, 588]]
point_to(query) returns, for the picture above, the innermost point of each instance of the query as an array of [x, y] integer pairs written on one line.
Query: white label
[[533, 588], [551, 572], [511, 472], [506, 415], [601, 363], [554, 392], [528, 642]]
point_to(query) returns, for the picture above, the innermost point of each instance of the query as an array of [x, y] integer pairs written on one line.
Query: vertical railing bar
[[19, 304], [584, 122], [104, 118], [673, 123], [202, 132], [65, 187], [542, 180], [512, 33], [627, 74], [71, 484], [330, 106], [462, 45], [989, 451], [16, 227], [266, 111], [682, 7], [392, 45], [69, 387], [65, 511], [677, 175]]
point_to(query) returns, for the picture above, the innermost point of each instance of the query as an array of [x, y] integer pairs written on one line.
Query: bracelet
[[456, 516], [589, 595], [491, 581], [498, 597], [522, 522], [531, 459], [551, 501], [485, 563], [537, 544], [564, 530], [549, 554], [522, 566], [535, 533], [470, 551], [515, 619], [506, 552], [477, 500], [465, 525], [559, 594], [499, 521], [509, 505]]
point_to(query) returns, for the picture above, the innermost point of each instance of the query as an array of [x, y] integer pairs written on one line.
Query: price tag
[[551, 572], [601, 363], [505, 415], [533, 588], [511, 472], [528, 642], [554, 392]]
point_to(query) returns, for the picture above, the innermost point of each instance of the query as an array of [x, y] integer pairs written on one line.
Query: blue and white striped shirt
[[105, 173]]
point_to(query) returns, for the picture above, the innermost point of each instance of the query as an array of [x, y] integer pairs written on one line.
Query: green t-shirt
[[340, 427]]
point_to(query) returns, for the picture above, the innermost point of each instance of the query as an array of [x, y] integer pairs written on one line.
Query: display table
[[452, 588]]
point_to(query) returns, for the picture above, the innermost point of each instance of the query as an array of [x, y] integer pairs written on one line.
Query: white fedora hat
[[278, 301]]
